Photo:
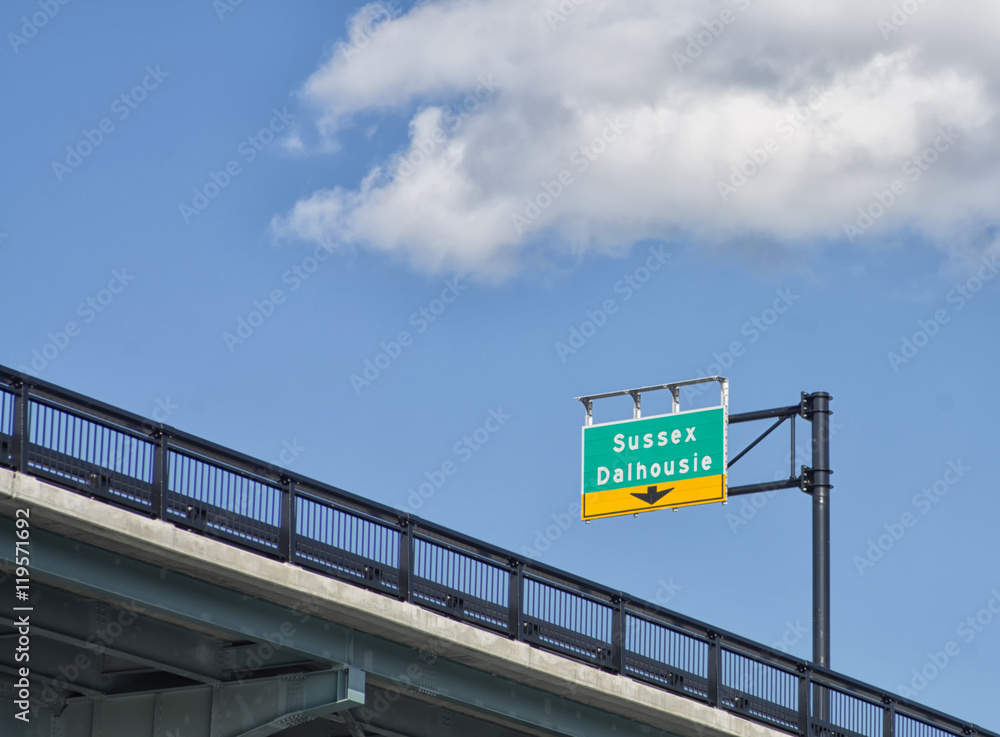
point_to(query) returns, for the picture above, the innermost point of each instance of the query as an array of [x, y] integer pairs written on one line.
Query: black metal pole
[[818, 409]]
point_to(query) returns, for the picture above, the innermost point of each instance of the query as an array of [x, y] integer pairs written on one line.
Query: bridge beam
[[398, 670], [102, 629], [253, 708]]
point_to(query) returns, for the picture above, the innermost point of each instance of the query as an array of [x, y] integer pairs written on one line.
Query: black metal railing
[[152, 469]]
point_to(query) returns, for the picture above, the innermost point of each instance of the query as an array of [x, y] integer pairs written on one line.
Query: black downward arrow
[[651, 495]]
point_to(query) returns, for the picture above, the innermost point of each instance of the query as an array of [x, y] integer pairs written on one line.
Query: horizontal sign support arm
[[793, 483], [765, 414]]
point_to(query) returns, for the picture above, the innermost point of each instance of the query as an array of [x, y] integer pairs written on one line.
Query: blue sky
[[223, 215]]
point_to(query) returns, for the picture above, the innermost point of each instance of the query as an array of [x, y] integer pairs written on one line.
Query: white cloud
[[514, 145]]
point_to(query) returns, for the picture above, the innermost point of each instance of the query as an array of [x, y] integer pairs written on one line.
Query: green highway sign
[[638, 465]]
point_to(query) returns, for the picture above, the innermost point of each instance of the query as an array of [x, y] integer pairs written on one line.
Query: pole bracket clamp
[[807, 479]]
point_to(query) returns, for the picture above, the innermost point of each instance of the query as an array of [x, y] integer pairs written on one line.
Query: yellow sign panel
[[646, 497]]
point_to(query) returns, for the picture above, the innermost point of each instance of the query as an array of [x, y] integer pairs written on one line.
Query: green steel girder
[[46, 676], [64, 670], [121, 632], [252, 708], [239, 660], [414, 718], [396, 668], [126, 645]]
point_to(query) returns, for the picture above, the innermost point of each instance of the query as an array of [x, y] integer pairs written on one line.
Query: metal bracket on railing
[[99, 482], [197, 517]]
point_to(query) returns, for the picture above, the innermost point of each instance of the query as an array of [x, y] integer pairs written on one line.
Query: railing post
[[161, 475], [21, 428], [406, 560], [515, 599], [714, 669], [286, 539], [805, 686], [888, 717], [618, 635]]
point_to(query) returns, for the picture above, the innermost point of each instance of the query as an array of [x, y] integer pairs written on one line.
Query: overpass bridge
[[154, 583]]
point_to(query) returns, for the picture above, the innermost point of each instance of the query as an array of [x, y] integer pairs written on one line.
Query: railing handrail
[[206, 451]]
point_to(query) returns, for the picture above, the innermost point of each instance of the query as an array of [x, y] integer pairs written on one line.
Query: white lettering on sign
[[654, 471], [647, 439]]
